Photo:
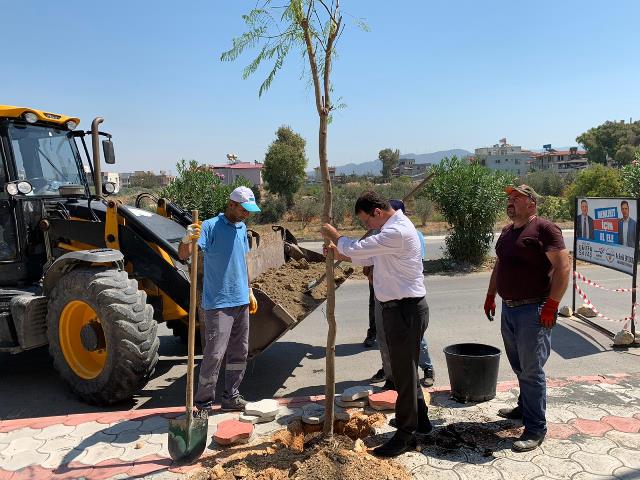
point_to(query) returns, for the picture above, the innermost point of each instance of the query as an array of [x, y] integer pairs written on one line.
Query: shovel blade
[[187, 440]]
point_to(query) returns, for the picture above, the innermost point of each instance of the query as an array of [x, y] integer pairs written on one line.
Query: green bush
[[272, 209], [423, 208], [631, 177], [305, 209], [595, 181], [545, 182], [554, 208], [197, 187], [470, 197]]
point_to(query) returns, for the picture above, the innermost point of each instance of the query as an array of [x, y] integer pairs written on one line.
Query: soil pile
[[287, 285], [300, 452]]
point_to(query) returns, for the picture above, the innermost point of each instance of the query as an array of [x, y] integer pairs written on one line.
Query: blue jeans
[[424, 360], [528, 345]]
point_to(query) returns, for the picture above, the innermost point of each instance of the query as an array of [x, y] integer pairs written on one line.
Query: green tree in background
[[545, 182], [470, 197], [595, 181], [144, 180], [197, 187], [389, 159], [606, 140], [631, 177], [284, 164]]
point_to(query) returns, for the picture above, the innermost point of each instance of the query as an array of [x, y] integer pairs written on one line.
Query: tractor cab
[[40, 166]]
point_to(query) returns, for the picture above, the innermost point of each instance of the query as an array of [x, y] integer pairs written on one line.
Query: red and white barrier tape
[[626, 320], [584, 279]]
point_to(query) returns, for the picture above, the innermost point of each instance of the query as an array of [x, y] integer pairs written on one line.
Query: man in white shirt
[[398, 283]]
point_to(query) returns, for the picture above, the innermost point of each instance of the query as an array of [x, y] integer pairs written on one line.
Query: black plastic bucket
[[473, 371]]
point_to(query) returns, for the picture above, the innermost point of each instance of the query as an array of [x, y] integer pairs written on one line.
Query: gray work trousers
[[227, 337]]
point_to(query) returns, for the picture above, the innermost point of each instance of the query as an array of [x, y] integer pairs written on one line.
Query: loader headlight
[[25, 188], [12, 189], [71, 125], [30, 117]]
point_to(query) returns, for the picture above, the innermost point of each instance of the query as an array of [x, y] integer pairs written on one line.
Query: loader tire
[[102, 335]]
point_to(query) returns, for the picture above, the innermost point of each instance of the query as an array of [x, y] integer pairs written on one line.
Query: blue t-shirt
[[225, 245], [423, 244]]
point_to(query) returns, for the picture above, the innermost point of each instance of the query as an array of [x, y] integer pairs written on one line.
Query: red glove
[[549, 313], [490, 307]]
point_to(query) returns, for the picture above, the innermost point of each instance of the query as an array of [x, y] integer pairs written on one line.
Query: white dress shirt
[[396, 255]]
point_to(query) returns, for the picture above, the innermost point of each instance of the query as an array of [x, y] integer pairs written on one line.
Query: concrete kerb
[[84, 462]]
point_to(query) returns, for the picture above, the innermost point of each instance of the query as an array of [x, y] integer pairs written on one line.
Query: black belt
[[401, 301], [524, 301]]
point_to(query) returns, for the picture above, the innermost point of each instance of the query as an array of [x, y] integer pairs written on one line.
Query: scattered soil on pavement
[[287, 284], [300, 452]]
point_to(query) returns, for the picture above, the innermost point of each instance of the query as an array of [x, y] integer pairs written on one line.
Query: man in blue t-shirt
[[227, 298]]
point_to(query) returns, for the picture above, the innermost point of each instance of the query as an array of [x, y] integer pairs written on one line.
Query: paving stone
[[267, 428], [560, 431], [54, 431], [625, 440], [427, 472], [232, 431], [312, 413], [590, 427], [21, 459], [559, 448], [86, 430], [155, 424], [126, 437], [560, 415], [444, 459], [214, 420], [596, 463], [384, 400], [587, 412], [24, 432], [594, 444], [147, 448], [626, 473], [58, 458], [519, 456], [629, 458], [557, 467], [20, 445], [148, 465], [412, 460], [31, 472], [166, 475], [467, 471], [590, 476], [263, 408], [120, 427], [253, 419], [354, 404], [515, 469], [623, 424], [99, 452], [356, 393], [621, 410]]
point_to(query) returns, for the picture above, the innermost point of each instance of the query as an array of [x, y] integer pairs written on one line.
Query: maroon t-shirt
[[523, 270]]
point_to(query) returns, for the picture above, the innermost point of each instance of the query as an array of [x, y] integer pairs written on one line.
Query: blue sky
[[428, 76]]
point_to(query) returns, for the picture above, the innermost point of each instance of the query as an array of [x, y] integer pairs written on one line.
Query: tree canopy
[[616, 140], [389, 159], [284, 164]]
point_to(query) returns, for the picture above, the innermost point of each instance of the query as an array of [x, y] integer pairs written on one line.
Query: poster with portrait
[[606, 232]]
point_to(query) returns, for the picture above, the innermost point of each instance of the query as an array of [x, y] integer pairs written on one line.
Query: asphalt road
[[295, 365]]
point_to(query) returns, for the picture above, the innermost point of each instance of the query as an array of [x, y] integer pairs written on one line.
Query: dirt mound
[[287, 284]]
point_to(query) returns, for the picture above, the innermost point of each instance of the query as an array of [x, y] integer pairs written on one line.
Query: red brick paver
[[150, 464], [232, 431], [560, 431], [593, 428], [384, 400], [623, 424]]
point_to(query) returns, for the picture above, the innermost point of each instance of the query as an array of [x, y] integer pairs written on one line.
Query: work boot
[[510, 413], [395, 446], [235, 404], [429, 376], [528, 441], [369, 342], [378, 377]]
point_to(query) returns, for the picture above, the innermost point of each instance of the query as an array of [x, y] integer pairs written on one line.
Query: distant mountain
[[374, 167]]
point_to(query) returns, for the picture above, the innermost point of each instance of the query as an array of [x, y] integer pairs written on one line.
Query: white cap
[[245, 197]]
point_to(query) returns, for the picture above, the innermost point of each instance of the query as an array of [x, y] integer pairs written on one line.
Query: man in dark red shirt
[[531, 275]]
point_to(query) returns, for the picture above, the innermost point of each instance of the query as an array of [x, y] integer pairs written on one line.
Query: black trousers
[[371, 332], [405, 322]]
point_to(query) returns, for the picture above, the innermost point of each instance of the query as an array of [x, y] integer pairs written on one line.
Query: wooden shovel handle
[[193, 299]]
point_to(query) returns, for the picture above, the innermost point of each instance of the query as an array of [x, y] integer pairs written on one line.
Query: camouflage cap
[[525, 190]]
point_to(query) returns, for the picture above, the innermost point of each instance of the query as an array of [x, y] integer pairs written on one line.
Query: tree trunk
[[330, 385]]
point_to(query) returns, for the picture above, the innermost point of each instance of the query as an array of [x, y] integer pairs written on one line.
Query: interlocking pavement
[[594, 433]]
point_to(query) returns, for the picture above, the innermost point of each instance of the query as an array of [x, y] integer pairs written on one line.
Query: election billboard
[[606, 232]]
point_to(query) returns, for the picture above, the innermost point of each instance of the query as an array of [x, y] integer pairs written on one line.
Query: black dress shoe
[[369, 342], [424, 429], [528, 441], [510, 413], [378, 377], [396, 446], [389, 385]]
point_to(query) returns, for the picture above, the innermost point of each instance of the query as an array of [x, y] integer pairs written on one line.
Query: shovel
[[188, 436]]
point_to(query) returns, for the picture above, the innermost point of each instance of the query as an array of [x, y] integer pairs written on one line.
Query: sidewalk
[[594, 425]]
